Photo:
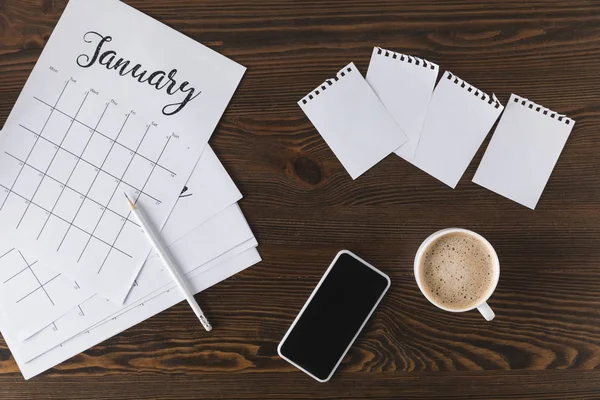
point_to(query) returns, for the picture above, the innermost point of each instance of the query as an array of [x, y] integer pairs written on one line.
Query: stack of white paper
[[221, 244], [108, 110]]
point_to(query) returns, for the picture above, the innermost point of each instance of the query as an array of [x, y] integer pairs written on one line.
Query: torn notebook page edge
[[491, 100], [406, 58], [348, 69], [534, 107]]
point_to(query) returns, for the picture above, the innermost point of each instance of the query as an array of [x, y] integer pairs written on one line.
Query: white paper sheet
[[404, 84], [34, 294], [209, 191], [216, 237], [458, 119], [107, 109], [352, 120], [523, 151], [32, 297], [134, 316]]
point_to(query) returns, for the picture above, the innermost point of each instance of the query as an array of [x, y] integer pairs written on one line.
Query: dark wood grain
[[303, 208]]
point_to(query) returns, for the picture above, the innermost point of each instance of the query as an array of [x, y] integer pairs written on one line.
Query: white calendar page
[[117, 102]]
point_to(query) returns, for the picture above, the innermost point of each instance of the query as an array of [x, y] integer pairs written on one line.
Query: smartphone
[[333, 316]]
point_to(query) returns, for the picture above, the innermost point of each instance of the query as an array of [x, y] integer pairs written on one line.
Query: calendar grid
[[140, 191], [102, 134], [85, 161], [28, 267], [21, 271], [59, 217], [71, 175], [58, 148], [68, 163], [114, 191], [53, 157], [68, 187], [42, 286], [84, 194], [34, 143]]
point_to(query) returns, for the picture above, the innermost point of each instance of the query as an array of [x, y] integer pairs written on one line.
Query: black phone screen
[[334, 316]]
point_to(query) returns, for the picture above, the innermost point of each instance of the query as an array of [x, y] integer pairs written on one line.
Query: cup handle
[[486, 311]]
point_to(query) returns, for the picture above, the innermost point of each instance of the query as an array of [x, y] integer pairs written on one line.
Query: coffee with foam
[[458, 270]]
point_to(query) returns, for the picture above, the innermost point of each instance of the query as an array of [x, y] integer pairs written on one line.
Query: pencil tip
[[131, 204]]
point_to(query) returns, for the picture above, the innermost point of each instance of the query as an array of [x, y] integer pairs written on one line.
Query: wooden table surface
[[303, 208]]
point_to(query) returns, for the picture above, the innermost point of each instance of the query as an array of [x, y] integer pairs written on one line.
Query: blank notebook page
[[404, 84], [352, 120], [458, 119], [523, 151]]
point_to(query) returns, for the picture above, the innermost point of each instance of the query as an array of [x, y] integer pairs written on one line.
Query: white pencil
[[164, 255]]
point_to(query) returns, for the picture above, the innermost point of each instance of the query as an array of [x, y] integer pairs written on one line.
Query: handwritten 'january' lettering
[[159, 79]]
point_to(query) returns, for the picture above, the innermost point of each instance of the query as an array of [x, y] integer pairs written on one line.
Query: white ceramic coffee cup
[[482, 306]]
